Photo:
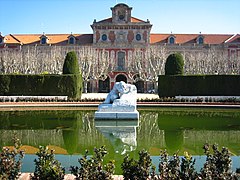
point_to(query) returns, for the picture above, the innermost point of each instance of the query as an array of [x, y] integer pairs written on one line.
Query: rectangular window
[[121, 61]]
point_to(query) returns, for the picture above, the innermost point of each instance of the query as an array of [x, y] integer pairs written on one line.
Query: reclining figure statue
[[122, 98]]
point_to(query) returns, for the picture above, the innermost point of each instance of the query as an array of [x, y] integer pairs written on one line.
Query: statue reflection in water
[[121, 133]]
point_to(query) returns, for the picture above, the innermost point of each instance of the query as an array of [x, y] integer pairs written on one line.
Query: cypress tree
[[70, 65], [174, 64]]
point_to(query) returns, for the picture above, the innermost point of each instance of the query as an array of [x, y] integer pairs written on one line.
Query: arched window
[[43, 40], [121, 77], [200, 40], [171, 40], [71, 40]]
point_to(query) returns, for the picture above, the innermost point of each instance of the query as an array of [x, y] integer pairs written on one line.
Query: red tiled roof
[[190, 38], [86, 39], [136, 20], [158, 38], [10, 39], [234, 39], [58, 39], [216, 38]]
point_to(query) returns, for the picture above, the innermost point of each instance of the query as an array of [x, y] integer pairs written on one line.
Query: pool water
[[71, 131]]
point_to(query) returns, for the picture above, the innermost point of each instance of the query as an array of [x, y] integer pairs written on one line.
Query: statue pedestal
[[117, 115], [124, 98]]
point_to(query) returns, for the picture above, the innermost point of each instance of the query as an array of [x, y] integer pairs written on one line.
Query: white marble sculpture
[[122, 98]]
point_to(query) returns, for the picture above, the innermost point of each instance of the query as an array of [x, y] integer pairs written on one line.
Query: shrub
[[218, 163], [198, 85], [174, 64], [217, 166], [46, 166], [11, 161], [4, 84], [169, 168], [70, 65], [133, 169], [93, 168], [41, 85]]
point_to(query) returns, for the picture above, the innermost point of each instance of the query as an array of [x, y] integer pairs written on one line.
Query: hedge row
[[41, 85], [199, 85]]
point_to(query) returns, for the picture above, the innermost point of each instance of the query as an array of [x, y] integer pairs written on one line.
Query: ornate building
[[120, 35]]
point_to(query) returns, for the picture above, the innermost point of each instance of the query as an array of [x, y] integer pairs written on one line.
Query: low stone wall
[[26, 176]]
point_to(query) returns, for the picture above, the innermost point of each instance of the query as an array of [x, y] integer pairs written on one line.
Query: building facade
[[120, 36]]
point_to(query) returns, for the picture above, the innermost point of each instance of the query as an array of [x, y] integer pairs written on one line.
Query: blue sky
[[76, 16]]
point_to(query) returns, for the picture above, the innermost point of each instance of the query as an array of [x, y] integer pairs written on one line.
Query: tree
[[70, 65], [147, 64], [174, 64]]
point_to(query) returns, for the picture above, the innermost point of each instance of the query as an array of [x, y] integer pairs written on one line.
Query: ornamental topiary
[[70, 65], [174, 64]]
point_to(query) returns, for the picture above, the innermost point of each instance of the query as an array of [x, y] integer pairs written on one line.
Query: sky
[[76, 16]]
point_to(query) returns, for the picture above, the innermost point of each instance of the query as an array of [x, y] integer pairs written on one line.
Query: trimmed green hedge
[[41, 85], [199, 85]]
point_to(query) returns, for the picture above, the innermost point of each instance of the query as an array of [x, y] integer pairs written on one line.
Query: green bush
[[11, 161], [133, 169], [70, 65], [41, 85], [174, 64], [46, 166], [173, 168], [4, 84], [198, 85], [93, 168], [218, 163]]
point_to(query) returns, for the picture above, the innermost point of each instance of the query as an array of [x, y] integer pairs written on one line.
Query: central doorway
[[121, 77]]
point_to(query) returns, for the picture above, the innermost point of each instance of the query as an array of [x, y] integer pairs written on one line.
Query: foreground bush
[[218, 163], [133, 169], [11, 161], [46, 166], [92, 168], [217, 166]]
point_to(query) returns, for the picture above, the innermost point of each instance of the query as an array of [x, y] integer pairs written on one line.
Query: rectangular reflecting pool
[[71, 131]]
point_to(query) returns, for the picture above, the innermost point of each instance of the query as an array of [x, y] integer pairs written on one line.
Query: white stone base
[[117, 115]]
